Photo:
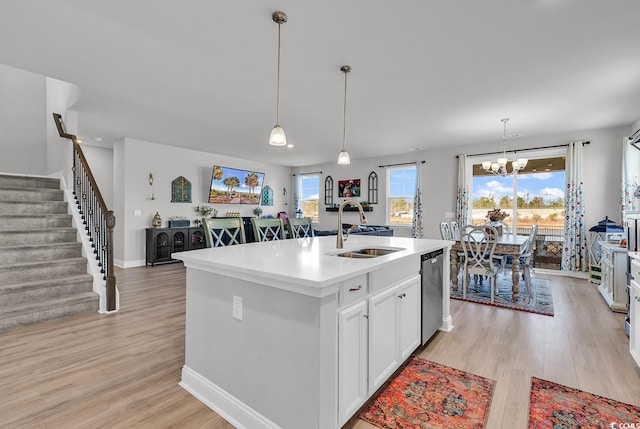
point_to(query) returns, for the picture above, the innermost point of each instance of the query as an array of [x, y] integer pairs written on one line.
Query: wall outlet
[[237, 307]]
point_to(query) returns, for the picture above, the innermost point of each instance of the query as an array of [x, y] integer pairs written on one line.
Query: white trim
[[129, 264], [574, 274], [236, 412]]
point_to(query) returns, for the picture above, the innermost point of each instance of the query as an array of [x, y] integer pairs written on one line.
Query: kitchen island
[[286, 334]]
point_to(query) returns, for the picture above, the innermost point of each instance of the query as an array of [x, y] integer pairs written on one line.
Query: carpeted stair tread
[[40, 264], [14, 181], [37, 236], [32, 313], [12, 222], [30, 194], [52, 303], [10, 255], [35, 284]]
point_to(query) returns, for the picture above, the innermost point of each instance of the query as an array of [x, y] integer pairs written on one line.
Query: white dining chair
[[445, 231], [478, 244]]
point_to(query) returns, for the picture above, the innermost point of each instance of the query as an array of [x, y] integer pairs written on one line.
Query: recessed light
[[415, 149], [98, 139], [290, 145]]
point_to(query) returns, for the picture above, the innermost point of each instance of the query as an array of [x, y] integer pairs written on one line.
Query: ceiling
[[426, 73]]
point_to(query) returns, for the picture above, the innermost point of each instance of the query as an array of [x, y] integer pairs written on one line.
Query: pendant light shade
[[343, 157], [278, 137]]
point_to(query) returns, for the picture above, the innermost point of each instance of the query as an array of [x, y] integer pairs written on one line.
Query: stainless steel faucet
[[363, 219]]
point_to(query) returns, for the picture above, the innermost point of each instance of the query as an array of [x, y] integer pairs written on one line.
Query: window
[[310, 191], [401, 186]]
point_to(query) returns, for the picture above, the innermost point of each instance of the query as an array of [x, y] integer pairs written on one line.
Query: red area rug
[[429, 395], [556, 406]]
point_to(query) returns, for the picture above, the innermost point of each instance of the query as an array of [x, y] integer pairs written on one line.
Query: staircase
[[43, 275]]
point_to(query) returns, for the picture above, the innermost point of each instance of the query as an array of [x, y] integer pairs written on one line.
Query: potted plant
[[257, 211], [496, 216], [202, 212]]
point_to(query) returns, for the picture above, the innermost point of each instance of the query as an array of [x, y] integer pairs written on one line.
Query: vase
[[157, 221], [497, 225]]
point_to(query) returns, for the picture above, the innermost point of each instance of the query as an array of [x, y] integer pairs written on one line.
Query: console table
[[162, 242]]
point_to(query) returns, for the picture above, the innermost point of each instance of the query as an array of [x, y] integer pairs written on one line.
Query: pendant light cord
[[278, 81], [344, 114], [504, 139]]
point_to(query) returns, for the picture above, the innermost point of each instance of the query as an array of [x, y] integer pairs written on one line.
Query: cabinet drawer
[[393, 274], [353, 290]]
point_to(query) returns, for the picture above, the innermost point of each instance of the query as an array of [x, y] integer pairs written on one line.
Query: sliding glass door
[[534, 195]]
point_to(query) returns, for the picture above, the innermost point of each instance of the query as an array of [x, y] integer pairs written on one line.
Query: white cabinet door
[[634, 311], [352, 360], [383, 337], [409, 314]]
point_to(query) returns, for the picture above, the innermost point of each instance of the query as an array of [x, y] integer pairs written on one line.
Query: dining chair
[[455, 230], [267, 229], [526, 261], [478, 244], [445, 231], [221, 232], [300, 228], [502, 259]]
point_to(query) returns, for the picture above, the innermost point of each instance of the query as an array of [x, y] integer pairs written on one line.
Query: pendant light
[[277, 137], [343, 157]]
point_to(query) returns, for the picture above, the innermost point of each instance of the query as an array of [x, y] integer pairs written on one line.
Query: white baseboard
[[129, 264], [226, 405]]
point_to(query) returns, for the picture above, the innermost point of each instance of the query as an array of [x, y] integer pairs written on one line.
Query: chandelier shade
[[499, 167]]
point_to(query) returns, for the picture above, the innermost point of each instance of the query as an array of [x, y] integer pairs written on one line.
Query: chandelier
[[499, 168]]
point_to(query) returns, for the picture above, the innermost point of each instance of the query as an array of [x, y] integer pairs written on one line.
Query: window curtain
[[630, 182], [574, 253], [297, 192], [462, 193], [416, 227]]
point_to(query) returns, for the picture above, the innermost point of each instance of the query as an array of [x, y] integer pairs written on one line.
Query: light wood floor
[[122, 370]]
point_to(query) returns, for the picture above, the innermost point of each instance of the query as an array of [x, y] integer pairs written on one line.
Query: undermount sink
[[367, 252]]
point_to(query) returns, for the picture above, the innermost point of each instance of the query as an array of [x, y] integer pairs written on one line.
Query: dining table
[[507, 244]]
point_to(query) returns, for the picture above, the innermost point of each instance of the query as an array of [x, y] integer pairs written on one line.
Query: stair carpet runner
[[43, 275]]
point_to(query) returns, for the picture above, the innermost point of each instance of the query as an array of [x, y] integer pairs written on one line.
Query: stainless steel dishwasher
[[431, 270]]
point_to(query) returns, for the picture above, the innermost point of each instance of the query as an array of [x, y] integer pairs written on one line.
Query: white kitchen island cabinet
[[280, 334]]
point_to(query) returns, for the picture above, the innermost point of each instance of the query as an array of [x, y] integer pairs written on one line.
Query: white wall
[[100, 161], [59, 97], [22, 116], [602, 161], [135, 159]]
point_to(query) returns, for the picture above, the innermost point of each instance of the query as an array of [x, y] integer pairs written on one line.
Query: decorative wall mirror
[[181, 190], [328, 191], [267, 196], [373, 188]]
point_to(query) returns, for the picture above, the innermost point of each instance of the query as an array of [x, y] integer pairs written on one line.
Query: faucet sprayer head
[[363, 218]]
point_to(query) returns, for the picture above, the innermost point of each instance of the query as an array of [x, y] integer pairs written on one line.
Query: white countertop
[[304, 265]]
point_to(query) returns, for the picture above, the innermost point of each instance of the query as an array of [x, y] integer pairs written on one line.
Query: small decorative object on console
[[157, 221]]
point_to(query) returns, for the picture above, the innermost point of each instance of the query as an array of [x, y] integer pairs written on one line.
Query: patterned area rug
[[429, 395], [556, 406], [480, 293]]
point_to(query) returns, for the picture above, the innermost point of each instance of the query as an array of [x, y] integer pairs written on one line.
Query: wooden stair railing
[[98, 220]]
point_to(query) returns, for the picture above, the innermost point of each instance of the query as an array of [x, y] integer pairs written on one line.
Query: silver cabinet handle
[[402, 295], [366, 316]]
